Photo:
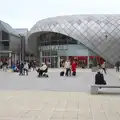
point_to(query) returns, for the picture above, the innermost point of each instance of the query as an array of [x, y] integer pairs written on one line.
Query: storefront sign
[[54, 47]]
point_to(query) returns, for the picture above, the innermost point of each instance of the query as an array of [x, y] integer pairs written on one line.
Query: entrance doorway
[[51, 61]]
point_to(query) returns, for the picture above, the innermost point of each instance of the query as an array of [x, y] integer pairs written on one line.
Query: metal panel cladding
[[100, 33]]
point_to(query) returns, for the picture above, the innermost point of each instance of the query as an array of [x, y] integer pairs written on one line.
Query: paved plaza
[[57, 98], [80, 83]]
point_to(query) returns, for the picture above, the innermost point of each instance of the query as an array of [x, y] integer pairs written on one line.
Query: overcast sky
[[25, 13]]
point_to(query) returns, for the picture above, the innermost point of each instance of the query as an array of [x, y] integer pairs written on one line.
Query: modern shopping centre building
[[78, 37], [13, 43]]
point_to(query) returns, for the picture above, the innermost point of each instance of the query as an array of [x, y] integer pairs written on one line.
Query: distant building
[[26, 52], [10, 43], [24, 32]]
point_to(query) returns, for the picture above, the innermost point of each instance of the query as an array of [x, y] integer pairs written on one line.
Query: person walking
[[1, 64], [26, 67], [68, 68], [104, 68], [74, 66], [62, 73], [117, 66], [34, 65], [21, 68], [5, 66]]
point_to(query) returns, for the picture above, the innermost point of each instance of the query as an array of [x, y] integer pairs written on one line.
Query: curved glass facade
[[50, 38], [99, 33]]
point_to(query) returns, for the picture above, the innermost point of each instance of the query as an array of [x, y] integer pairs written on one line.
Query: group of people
[[68, 68], [24, 67]]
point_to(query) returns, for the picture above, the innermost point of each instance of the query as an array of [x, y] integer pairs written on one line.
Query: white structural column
[[16, 58], [88, 61], [58, 63], [13, 57], [10, 55], [67, 57], [41, 57]]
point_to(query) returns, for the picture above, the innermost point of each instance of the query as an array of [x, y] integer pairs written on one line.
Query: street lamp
[[106, 36], [22, 48]]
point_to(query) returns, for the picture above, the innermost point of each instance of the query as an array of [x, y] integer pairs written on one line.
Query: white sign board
[[54, 47]]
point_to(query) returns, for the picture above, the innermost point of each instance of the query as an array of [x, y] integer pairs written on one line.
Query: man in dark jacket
[[99, 79], [117, 66], [21, 68]]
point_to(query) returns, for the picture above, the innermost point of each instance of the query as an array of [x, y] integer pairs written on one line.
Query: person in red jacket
[[73, 67]]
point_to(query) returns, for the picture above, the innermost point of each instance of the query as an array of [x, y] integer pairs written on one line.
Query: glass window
[[55, 39], [43, 53], [48, 53], [5, 36], [53, 53], [4, 45]]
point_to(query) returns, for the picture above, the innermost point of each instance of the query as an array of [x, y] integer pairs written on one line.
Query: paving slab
[[57, 98], [35, 105]]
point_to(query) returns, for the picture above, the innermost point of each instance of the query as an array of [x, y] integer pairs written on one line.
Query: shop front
[[54, 57], [56, 48], [86, 61], [6, 56]]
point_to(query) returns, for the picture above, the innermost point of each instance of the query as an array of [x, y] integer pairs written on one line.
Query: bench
[[95, 88]]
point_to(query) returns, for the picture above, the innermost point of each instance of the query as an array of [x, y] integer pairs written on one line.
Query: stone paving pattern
[[36, 105], [57, 98]]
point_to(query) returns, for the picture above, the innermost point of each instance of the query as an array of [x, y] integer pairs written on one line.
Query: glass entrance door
[[47, 60], [52, 61]]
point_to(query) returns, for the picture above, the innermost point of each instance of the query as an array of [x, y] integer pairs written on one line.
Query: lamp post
[[106, 36], [22, 48]]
